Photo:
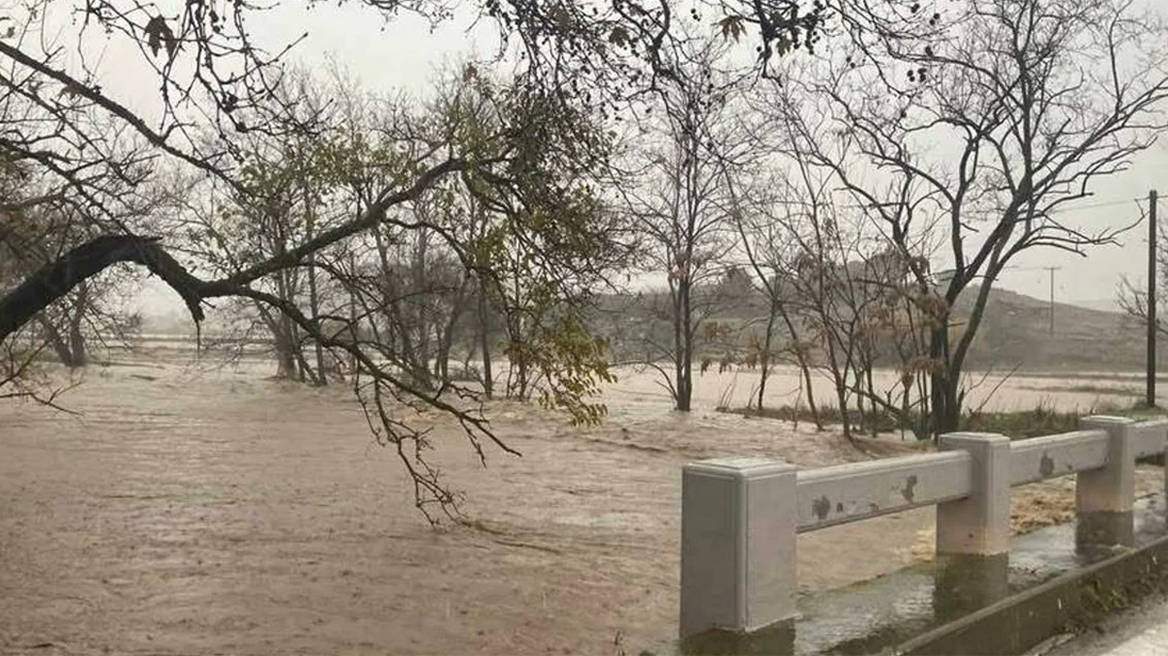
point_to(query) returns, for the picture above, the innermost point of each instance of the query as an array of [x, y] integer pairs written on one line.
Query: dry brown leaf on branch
[[731, 27], [159, 34]]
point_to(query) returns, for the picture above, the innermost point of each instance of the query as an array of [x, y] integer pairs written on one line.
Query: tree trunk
[[839, 380], [57, 341], [292, 345], [683, 347], [77, 341], [765, 356], [285, 356], [314, 307], [285, 349], [871, 390], [943, 394], [804, 367], [354, 329], [861, 406], [313, 300], [842, 399], [306, 371], [446, 339], [485, 344], [281, 342], [421, 315], [76, 321], [289, 357]]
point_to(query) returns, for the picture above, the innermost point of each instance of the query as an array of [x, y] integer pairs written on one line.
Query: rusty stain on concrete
[[909, 484], [821, 507], [1046, 465]]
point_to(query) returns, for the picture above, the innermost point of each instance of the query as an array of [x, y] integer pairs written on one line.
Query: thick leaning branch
[[54, 280], [57, 278]]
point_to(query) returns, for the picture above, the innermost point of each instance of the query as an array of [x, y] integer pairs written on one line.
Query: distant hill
[[1016, 331], [1101, 304]]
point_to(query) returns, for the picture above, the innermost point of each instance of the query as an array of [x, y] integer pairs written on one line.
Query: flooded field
[[198, 509]]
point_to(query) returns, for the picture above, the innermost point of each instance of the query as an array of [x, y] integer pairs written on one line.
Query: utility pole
[[1051, 271], [1151, 307]]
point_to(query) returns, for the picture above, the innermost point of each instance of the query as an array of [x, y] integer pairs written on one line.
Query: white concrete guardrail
[[740, 516]]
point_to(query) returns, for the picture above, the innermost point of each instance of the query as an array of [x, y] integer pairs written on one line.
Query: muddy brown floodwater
[[190, 510]]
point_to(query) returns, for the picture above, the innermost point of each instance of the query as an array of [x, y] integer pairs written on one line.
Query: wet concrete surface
[[1142, 631], [895, 607], [872, 616]]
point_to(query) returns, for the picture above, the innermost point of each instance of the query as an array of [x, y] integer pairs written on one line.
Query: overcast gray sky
[[403, 54]]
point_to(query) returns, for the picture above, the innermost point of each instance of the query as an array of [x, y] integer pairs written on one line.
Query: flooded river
[[196, 509]]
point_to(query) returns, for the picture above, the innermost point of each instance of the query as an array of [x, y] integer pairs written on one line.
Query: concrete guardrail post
[[973, 534], [1104, 496], [738, 527], [979, 524]]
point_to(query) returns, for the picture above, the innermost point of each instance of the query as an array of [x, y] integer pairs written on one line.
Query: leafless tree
[[682, 204], [972, 143], [765, 237]]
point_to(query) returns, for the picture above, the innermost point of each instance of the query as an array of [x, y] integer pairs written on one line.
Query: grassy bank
[[1021, 424]]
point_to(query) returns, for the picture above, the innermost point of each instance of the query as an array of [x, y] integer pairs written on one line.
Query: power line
[[1093, 206]]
